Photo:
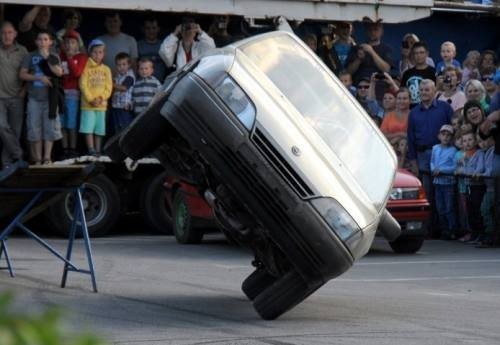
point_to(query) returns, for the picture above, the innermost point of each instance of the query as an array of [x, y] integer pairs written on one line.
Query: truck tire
[[256, 282], [183, 223], [154, 208], [101, 203], [283, 295], [407, 245]]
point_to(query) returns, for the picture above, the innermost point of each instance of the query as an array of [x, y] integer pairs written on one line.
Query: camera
[[447, 80]]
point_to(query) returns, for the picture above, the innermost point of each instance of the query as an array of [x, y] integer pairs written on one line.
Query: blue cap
[[496, 78], [94, 43]]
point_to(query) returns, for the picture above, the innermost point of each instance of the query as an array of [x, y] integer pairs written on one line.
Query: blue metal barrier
[[78, 222]]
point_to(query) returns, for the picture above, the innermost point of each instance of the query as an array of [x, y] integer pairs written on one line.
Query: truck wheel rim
[[94, 201]]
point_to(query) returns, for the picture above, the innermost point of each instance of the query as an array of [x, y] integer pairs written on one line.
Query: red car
[[409, 206], [192, 216]]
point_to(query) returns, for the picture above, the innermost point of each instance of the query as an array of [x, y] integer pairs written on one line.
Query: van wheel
[[153, 205], [257, 282], [101, 202], [407, 245], [146, 132], [283, 295], [184, 229]]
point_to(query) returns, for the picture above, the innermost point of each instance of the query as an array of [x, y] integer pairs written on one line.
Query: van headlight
[[339, 220], [237, 100]]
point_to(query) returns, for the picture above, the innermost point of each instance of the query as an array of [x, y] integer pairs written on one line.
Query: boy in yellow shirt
[[96, 85]]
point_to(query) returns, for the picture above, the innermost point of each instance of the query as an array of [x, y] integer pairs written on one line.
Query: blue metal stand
[[78, 222]]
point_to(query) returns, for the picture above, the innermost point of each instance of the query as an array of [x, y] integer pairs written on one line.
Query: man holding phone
[[412, 77], [186, 43]]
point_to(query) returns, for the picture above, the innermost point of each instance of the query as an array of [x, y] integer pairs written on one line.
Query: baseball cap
[[446, 128], [94, 43], [71, 34]]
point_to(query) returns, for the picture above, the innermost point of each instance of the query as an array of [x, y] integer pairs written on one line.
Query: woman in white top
[[186, 43]]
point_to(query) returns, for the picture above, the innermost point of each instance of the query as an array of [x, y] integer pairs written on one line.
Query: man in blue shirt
[[424, 122]]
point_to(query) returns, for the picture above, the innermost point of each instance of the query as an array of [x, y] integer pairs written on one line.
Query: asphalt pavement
[[154, 291]]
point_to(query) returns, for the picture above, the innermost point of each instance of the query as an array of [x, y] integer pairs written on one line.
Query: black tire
[[283, 295], [407, 245], [154, 208], [257, 282], [101, 203], [183, 223], [146, 133]]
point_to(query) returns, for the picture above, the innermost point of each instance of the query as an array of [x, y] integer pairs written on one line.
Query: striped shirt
[[143, 92]]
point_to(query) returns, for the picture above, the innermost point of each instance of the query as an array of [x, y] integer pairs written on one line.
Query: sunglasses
[[487, 78], [363, 86]]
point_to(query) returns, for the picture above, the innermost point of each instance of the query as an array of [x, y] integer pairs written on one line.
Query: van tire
[[102, 208], [153, 205], [183, 223], [282, 295], [257, 282], [146, 133]]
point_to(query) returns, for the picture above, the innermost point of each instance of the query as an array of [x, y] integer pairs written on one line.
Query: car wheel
[[257, 282], [282, 295], [407, 245], [101, 203], [184, 229], [153, 205]]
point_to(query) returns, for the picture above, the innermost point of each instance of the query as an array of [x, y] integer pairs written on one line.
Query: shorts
[[38, 124], [93, 122], [69, 120]]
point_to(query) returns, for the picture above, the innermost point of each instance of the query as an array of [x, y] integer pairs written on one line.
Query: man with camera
[[186, 43], [412, 77], [368, 58]]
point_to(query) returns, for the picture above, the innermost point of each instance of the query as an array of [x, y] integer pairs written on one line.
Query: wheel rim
[[95, 204], [181, 217]]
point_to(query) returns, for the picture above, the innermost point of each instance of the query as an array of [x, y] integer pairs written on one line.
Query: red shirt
[[73, 68]]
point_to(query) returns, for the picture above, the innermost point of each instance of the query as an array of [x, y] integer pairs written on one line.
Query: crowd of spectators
[[441, 117]]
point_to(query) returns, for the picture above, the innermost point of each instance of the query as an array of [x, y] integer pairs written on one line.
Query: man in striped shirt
[[145, 86]]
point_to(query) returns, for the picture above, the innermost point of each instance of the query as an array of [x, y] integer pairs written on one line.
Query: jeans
[[475, 197], [496, 173], [11, 124], [445, 206]]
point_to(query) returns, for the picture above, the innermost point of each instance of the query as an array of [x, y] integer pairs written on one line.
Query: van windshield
[[328, 108]]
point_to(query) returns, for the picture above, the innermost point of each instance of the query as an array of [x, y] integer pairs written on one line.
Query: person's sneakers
[[465, 238], [475, 240]]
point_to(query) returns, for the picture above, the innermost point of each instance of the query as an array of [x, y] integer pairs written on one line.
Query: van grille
[[281, 165]]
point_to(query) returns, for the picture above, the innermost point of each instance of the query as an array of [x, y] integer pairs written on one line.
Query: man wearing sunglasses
[[487, 76], [370, 105]]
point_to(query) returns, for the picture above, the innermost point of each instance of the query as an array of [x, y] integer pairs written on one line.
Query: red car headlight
[[408, 193]]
